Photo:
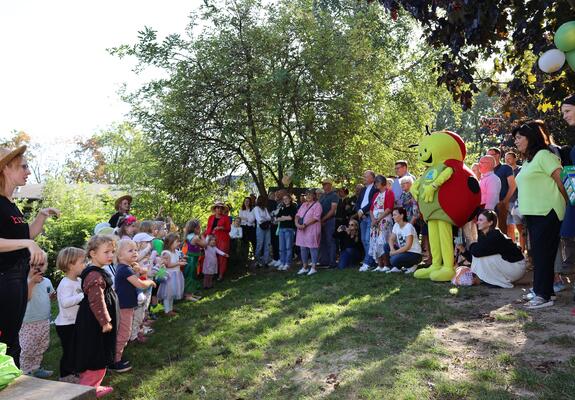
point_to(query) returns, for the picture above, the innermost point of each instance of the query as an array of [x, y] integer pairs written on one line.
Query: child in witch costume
[[97, 319]]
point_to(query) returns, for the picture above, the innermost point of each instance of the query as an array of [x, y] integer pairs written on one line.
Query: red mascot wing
[[460, 196]]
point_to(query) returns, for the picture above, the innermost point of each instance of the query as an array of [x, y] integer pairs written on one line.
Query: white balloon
[[551, 61]]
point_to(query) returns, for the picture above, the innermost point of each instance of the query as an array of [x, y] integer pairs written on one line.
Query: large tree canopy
[[282, 90]]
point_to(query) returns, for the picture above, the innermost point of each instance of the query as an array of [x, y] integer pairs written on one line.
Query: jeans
[[286, 245], [263, 245], [305, 251], [365, 227], [348, 257], [544, 240], [407, 259], [328, 247]]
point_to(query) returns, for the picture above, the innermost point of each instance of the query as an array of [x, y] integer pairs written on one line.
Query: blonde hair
[[97, 241], [122, 243], [147, 226], [68, 256]]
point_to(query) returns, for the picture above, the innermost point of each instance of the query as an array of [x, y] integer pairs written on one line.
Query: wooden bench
[[28, 388]]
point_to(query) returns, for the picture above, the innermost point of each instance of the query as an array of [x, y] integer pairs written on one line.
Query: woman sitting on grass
[[403, 245], [495, 259]]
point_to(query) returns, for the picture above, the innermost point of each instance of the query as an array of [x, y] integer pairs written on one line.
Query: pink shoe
[[101, 391]]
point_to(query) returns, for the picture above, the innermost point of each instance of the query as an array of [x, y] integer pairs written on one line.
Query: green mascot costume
[[448, 194]]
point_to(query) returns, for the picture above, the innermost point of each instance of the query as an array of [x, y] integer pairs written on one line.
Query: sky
[[57, 81]]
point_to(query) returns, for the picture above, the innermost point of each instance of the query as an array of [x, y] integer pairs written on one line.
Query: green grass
[[335, 335]]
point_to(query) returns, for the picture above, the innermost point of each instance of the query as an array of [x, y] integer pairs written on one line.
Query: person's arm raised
[[38, 224]]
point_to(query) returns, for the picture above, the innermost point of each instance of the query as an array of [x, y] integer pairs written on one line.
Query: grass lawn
[[335, 335]]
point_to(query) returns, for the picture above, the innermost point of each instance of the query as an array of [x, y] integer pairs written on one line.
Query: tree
[[282, 89]]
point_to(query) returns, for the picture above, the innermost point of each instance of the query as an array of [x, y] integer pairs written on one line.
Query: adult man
[[362, 208], [490, 183], [400, 172], [329, 201], [122, 205], [508, 187], [514, 221]]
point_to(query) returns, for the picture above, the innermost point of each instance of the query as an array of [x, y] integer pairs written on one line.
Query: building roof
[[34, 191]]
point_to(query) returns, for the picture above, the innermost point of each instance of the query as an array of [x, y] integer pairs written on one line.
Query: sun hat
[[7, 155], [103, 228], [120, 199], [142, 237], [219, 203]]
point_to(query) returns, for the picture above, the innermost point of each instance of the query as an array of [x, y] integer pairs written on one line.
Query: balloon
[[565, 37], [571, 59], [551, 61]]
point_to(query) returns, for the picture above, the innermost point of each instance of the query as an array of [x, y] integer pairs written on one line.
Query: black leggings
[[66, 335], [14, 298]]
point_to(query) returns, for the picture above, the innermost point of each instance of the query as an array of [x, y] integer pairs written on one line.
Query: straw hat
[[7, 155], [120, 199], [219, 203]]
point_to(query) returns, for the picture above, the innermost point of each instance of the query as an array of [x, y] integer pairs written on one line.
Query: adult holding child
[[542, 201], [122, 206], [18, 251], [219, 225]]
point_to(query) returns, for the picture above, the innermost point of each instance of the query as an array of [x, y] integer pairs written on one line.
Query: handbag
[[265, 225], [300, 219]]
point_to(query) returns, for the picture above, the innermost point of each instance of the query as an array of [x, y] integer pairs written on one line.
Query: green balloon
[[570, 57], [565, 37]]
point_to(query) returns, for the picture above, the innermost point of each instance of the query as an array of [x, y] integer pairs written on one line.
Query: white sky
[[57, 80]]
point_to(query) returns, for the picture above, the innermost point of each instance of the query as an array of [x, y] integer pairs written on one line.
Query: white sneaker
[[395, 269], [364, 268], [411, 270], [385, 269], [377, 269], [303, 271], [285, 267], [312, 271], [277, 263], [538, 302]]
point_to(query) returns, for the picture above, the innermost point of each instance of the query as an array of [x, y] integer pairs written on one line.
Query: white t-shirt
[[38, 308], [69, 297], [248, 218], [402, 233], [262, 215], [236, 232]]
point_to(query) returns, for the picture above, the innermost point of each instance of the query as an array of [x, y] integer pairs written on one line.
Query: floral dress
[[380, 232], [407, 201]]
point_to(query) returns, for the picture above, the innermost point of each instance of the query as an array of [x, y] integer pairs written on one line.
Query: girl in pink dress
[[308, 237]]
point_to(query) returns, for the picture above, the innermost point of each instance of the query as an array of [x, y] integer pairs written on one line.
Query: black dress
[[93, 349]]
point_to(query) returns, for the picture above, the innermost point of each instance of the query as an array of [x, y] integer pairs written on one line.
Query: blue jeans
[[263, 238], [348, 257], [286, 245], [328, 247], [305, 251], [365, 227], [407, 259]]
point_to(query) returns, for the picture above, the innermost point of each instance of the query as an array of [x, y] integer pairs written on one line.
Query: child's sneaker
[[120, 366], [41, 373], [101, 391], [302, 271]]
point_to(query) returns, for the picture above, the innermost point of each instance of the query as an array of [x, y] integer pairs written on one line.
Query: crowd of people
[[131, 270]]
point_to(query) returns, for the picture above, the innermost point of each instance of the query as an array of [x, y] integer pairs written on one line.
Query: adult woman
[[495, 259], [122, 206], [18, 251], [307, 222], [381, 223], [248, 224], [263, 231], [286, 223], [220, 225], [403, 245], [350, 243], [542, 200], [407, 201]]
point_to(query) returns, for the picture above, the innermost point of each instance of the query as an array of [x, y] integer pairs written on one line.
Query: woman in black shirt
[[495, 259], [286, 220], [351, 245], [18, 251]]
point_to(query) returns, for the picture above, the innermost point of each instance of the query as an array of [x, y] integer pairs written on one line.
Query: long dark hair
[[244, 203], [534, 132], [262, 201], [491, 216]]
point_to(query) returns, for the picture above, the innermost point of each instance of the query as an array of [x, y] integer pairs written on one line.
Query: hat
[[7, 155], [103, 228], [142, 237], [326, 180], [569, 100], [219, 203], [126, 220], [120, 199]]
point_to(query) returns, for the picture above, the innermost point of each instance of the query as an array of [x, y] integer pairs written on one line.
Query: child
[[70, 261], [173, 288], [35, 330], [146, 258], [96, 323], [127, 283], [127, 227], [238, 257], [236, 230], [194, 245], [210, 267]]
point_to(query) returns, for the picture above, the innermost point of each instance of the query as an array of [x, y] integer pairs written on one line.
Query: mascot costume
[[448, 194]]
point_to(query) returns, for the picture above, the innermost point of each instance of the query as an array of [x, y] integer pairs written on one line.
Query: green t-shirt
[[538, 193]]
